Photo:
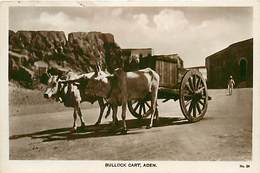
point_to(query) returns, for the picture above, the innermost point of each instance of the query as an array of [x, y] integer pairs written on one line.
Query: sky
[[192, 32]]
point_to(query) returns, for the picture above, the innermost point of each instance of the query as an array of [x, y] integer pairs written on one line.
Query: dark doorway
[[243, 69]]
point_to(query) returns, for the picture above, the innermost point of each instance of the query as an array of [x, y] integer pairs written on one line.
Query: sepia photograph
[[131, 86]]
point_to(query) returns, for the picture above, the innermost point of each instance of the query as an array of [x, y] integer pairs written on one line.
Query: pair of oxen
[[112, 90]]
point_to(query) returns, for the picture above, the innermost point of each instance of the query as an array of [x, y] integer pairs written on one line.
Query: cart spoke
[[186, 91], [190, 108], [194, 82], [147, 104], [187, 103], [143, 105], [198, 107], [140, 109], [144, 108], [187, 97], [136, 106], [201, 90], [203, 104], [188, 88], [134, 101], [194, 109], [198, 83], [191, 84], [203, 97]]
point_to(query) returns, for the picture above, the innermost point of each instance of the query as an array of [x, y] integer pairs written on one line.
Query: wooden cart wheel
[[139, 107], [193, 96]]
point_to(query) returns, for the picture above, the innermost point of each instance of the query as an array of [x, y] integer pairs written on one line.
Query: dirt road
[[224, 134]]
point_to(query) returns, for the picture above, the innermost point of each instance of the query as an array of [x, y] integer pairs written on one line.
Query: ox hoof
[[97, 124], [83, 125], [148, 127], [156, 122], [73, 130], [114, 125], [123, 131]]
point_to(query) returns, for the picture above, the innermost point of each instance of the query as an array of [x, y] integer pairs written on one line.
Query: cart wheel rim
[[193, 96], [138, 108]]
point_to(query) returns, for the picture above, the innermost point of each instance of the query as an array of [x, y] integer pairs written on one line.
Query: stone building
[[236, 61]]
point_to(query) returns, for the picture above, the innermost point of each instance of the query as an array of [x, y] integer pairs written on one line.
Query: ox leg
[[156, 114], [81, 118], [74, 127], [115, 120], [102, 108], [151, 121], [108, 110], [153, 108], [124, 130]]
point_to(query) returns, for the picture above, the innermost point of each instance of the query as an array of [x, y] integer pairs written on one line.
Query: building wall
[[236, 60]]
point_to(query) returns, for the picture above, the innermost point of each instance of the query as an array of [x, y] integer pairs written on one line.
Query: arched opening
[[243, 69]]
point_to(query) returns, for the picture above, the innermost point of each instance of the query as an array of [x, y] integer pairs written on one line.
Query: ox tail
[[154, 77]]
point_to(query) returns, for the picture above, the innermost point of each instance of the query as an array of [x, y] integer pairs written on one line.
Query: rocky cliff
[[32, 53]]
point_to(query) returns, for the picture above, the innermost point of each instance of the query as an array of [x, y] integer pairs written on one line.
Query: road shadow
[[102, 130]]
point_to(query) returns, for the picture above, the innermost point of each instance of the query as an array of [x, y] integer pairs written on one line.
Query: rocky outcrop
[[94, 48], [81, 52]]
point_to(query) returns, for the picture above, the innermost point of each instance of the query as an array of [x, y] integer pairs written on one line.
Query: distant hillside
[[32, 53]]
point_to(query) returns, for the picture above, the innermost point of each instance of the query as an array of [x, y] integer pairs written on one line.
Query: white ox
[[72, 94], [122, 87]]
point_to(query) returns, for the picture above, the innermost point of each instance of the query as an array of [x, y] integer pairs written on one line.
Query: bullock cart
[[176, 83]]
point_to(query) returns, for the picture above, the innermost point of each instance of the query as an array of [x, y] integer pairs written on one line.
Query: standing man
[[231, 84]]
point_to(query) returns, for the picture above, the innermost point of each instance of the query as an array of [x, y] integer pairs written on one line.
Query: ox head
[[53, 86]]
